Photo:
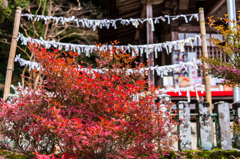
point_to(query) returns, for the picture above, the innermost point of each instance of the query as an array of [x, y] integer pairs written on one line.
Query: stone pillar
[[184, 129], [223, 136], [204, 136], [236, 136]]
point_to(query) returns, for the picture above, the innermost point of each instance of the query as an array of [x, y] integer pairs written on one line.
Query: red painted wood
[[193, 94]]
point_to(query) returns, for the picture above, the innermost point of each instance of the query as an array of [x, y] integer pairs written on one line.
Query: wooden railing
[[212, 52]]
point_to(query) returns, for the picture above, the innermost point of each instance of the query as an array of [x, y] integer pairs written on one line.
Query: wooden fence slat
[[204, 136], [184, 129], [223, 136], [220, 54]]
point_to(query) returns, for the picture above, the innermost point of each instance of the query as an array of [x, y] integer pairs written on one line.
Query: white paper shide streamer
[[22, 62], [195, 88], [20, 90], [87, 49], [100, 23], [161, 70]]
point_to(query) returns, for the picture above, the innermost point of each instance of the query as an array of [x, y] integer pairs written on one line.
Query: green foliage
[[193, 154], [12, 155], [196, 154], [5, 12]]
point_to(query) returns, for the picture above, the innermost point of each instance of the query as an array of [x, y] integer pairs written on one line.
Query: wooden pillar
[[205, 54], [223, 136], [150, 41], [204, 135], [12, 53], [184, 129], [236, 135], [141, 39]]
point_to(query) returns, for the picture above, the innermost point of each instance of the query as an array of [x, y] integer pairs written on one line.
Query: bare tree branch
[[75, 33], [49, 21], [44, 7], [5, 42], [25, 30], [50, 30]]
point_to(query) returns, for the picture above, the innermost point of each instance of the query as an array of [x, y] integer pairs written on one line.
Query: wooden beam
[[126, 15], [156, 1], [126, 3], [190, 29], [152, 1], [213, 6], [150, 41], [183, 4], [129, 8], [143, 15], [175, 6], [117, 5]]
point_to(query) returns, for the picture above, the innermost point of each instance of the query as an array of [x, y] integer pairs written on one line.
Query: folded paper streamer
[[161, 70], [87, 49], [20, 90], [179, 90], [186, 89], [31, 64], [100, 23], [135, 97]]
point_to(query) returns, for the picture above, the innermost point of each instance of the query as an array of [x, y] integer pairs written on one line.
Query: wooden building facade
[[176, 30]]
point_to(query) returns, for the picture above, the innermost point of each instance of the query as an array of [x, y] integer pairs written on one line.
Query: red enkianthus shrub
[[81, 113]]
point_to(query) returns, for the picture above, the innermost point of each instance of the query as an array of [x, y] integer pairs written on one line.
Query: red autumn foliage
[[79, 113]]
